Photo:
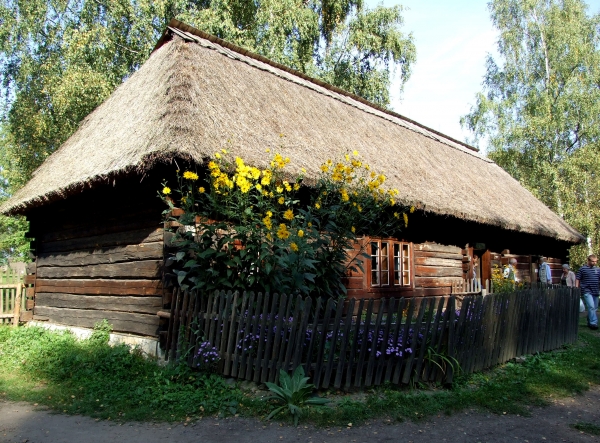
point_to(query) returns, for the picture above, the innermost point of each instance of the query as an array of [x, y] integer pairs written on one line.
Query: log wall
[[435, 268], [99, 256]]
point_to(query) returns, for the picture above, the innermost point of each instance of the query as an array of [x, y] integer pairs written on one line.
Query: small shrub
[[294, 394]]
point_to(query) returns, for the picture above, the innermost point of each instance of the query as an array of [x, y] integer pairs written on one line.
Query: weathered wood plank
[[142, 324], [100, 286], [430, 271], [441, 262], [435, 282], [137, 236], [144, 251], [435, 247], [139, 269], [148, 305], [446, 255]]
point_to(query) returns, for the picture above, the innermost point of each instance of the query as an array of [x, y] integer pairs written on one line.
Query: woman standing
[[568, 277]]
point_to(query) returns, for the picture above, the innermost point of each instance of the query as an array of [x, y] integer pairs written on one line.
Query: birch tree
[[540, 106]]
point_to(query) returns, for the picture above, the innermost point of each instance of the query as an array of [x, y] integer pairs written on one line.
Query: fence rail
[[355, 343]]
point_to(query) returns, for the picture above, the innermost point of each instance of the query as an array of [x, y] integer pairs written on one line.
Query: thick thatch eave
[[196, 94]]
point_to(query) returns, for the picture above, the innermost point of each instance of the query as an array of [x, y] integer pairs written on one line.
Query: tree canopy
[[539, 110], [59, 59]]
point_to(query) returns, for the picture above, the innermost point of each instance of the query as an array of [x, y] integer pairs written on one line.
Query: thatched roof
[[197, 94]]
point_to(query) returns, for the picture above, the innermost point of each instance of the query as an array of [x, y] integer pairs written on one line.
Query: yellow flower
[[303, 170], [288, 215], [355, 153], [269, 236], [324, 168], [287, 186], [392, 201], [412, 209], [279, 189], [212, 165], [166, 190], [300, 233], [405, 219], [294, 247], [267, 222], [217, 155], [281, 200], [359, 208], [189, 175], [259, 187], [318, 205], [269, 214], [201, 190], [296, 186], [309, 224], [282, 232], [353, 229], [267, 150], [345, 196], [396, 214], [224, 151]]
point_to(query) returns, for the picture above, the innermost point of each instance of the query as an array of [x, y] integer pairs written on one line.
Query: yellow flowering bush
[[246, 228]]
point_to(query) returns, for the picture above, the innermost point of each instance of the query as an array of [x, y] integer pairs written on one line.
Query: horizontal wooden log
[[432, 261], [103, 241], [101, 287], [141, 324], [40, 317], [144, 251], [140, 269], [353, 282], [435, 247], [435, 282], [438, 255], [437, 271], [148, 305], [29, 279], [125, 221], [30, 268]]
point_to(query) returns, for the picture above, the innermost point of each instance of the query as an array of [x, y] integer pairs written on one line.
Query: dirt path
[[24, 423]]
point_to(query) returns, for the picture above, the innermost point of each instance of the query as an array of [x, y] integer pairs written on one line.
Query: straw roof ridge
[[193, 97], [235, 52]]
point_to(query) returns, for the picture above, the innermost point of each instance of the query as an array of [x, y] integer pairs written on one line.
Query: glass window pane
[[405, 265], [374, 264], [396, 264]]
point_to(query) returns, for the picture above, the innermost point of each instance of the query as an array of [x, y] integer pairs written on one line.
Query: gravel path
[[25, 423]]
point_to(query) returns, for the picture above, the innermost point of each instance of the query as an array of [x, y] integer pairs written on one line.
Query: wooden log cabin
[[96, 221]]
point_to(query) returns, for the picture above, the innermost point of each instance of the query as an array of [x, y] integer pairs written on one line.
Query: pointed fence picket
[[356, 343]]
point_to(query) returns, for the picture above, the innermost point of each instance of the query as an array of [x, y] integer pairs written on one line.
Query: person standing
[[510, 270], [587, 280], [568, 277], [544, 273]]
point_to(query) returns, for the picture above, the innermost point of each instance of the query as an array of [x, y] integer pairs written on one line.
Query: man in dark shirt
[[587, 279]]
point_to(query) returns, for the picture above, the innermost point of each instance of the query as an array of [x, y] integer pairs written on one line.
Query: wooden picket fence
[[12, 301], [356, 343]]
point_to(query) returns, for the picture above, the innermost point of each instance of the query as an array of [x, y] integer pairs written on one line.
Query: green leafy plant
[[249, 229], [294, 394]]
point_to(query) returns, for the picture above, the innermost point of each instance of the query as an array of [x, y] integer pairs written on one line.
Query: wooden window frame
[[382, 287]]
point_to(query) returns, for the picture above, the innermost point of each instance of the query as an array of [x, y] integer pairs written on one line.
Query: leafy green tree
[[61, 58], [540, 109]]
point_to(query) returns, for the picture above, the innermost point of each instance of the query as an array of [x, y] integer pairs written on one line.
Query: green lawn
[[89, 377]]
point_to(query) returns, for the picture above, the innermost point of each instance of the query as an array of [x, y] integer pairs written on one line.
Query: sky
[[453, 38]]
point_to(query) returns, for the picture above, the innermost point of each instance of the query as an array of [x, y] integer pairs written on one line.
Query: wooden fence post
[[17, 310]]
